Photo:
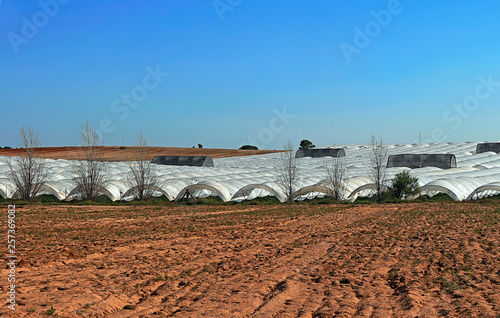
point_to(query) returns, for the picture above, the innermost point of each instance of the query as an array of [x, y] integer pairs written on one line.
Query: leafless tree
[[378, 164], [336, 178], [90, 172], [28, 172], [143, 175], [286, 172]]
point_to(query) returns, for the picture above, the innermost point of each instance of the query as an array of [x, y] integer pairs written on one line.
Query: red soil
[[397, 260]]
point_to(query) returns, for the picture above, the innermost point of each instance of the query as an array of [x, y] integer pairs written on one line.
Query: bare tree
[[336, 178], [143, 174], [28, 172], [286, 172], [378, 163], [90, 172]]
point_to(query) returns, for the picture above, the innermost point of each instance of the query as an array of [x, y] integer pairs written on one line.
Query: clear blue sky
[[234, 65]]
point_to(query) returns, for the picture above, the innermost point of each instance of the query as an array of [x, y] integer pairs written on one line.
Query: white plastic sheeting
[[250, 177]]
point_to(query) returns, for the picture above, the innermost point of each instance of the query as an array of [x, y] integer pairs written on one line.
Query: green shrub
[[439, 197], [403, 186], [365, 200], [324, 200], [248, 147], [261, 201], [47, 198], [305, 144]]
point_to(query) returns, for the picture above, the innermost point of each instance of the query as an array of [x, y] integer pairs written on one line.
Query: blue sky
[[241, 71]]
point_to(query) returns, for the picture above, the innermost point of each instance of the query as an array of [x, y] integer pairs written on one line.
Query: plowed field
[[131, 153], [391, 260]]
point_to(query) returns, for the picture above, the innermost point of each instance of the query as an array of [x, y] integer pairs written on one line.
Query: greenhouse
[[462, 173], [193, 161], [320, 152], [412, 161], [488, 146]]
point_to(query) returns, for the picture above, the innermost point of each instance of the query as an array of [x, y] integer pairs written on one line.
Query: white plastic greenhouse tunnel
[[458, 170]]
